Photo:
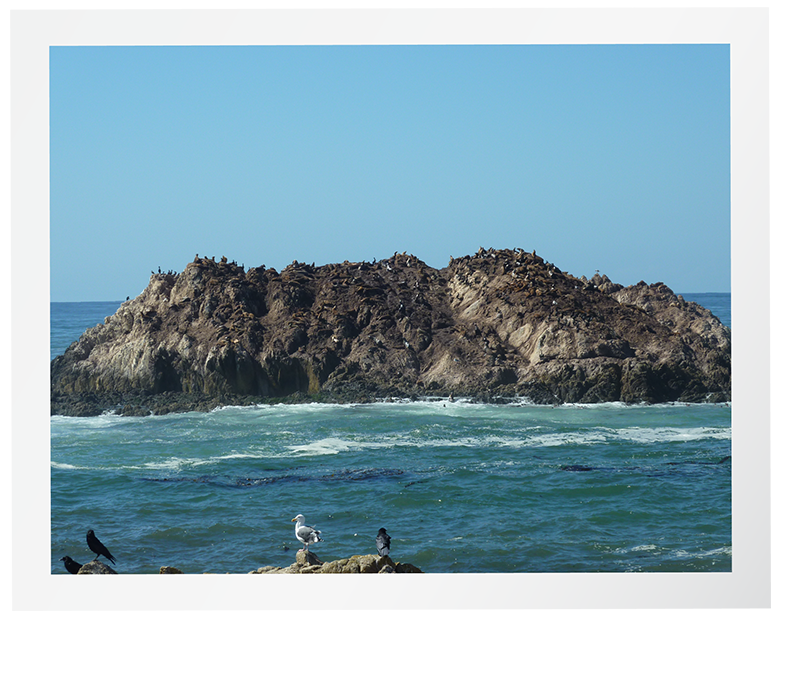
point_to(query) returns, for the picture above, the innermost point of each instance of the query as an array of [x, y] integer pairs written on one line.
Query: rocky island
[[497, 324]]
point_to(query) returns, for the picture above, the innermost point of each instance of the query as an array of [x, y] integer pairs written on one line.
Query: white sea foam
[[602, 435], [177, 463], [172, 464], [593, 436], [83, 423], [713, 553], [672, 434], [322, 447]]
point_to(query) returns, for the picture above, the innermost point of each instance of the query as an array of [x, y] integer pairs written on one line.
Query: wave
[[66, 467], [328, 446], [556, 439], [712, 553], [437, 403], [598, 436]]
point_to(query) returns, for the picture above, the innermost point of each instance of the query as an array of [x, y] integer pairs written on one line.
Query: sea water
[[460, 486]]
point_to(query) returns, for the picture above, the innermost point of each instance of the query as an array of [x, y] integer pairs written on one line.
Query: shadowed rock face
[[499, 323]]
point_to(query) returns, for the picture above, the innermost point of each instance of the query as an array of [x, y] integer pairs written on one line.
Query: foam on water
[[322, 447], [66, 467], [723, 551]]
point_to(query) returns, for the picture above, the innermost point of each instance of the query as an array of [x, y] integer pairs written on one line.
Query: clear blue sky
[[609, 157]]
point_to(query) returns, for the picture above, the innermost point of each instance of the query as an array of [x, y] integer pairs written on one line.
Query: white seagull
[[307, 535]]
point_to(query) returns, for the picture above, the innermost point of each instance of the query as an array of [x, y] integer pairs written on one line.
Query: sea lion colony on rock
[[500, 323]]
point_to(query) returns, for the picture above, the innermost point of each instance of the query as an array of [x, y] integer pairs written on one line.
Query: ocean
[[460, 486]]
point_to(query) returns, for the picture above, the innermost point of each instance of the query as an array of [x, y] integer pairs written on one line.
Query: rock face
[[498, 323], [307, 562]]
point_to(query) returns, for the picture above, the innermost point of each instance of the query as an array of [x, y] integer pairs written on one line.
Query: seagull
[[71, 565], [97, 546], [382, 541], [307, 535]]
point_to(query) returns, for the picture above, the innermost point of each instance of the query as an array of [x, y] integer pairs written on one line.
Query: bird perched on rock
[[382, 541], [97, 547], [71, 565], [307, 535]]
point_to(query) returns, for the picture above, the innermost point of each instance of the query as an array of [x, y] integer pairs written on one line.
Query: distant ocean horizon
[[460, 486]]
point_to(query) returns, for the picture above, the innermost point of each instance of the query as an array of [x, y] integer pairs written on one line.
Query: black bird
[[97, 546], [71, 565], [382, 541]]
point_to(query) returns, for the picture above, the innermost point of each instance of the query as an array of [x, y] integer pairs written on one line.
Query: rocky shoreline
[[306, 562], [497, 325]]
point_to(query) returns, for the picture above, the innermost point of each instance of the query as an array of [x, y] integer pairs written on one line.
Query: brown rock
[[265, 570], [497, 324], [96, 567], [306, 558], [357, 564], [168, 569]]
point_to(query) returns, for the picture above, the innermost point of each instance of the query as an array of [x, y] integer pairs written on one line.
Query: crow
[[382, 541], [97, 546], [71, 565]]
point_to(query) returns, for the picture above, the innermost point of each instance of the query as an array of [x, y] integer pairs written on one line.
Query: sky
[[609, 158]]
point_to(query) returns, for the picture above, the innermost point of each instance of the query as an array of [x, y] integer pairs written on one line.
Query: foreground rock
[[307, 562], [168, 569], [96, 567], [497, 324]]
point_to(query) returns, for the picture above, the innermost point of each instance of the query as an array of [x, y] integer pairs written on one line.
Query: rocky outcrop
[[496, 324], [96, 567], [307, 562], [168, 569]]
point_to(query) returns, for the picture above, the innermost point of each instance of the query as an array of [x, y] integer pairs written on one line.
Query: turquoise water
[[460, 487]]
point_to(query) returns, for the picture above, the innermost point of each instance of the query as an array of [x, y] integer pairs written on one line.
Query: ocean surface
[[459, 486]]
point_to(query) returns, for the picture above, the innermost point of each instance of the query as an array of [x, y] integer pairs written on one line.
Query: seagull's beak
[[293, 519]]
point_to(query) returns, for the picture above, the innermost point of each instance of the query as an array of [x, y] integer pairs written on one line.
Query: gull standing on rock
[[307, 535]]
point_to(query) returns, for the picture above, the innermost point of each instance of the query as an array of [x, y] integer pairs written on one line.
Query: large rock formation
[[499, 323]]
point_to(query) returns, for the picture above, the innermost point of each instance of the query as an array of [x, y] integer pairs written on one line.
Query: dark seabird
[[97, 546], [307, 535], [71, 565], [382, 541]]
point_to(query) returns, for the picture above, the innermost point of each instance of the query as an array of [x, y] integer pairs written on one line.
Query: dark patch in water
[[700, 463], [676, 467], [364, 474], [345, 475], [208, 480], [576, 467]]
